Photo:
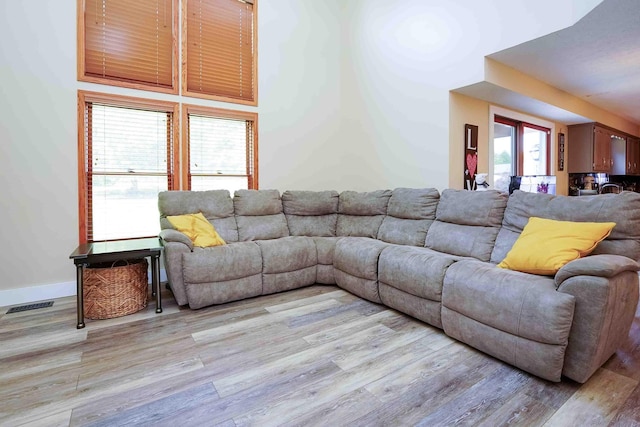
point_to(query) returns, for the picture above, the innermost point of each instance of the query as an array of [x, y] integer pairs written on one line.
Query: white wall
[[401, 58], [299, 94], [38, 206], [299, 119], [353, 94]]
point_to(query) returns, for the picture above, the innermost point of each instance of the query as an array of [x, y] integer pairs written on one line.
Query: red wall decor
[[470, 156]]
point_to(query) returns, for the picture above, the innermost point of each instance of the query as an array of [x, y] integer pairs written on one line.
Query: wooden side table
[[98, 252]]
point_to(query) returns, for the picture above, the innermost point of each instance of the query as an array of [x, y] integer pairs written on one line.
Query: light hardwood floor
[[313, 356]]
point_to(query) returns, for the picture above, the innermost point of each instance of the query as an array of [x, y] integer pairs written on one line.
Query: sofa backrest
[[259, 215], [467, 223], [311, 213], [410, 213], [215, 205], [360, 214], [623, 209]]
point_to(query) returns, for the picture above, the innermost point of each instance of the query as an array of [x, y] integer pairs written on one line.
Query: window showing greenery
[[519, 148], [130, 149], [128, 159], [221, 149]]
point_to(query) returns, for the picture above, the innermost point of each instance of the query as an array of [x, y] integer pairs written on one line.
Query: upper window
[[126, 156], [519, 148], [219, 54], [129, 43], [220, 149]]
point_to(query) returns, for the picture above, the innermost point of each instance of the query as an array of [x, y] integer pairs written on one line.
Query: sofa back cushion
[[467, 223], [215, 205], [410, 213], [361, 213], [259, 215], [623, 209], [311, 213]]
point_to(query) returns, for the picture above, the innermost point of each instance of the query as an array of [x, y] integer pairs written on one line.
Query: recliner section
[[516, 317], [222, 273], [356, 266], [411, 281]]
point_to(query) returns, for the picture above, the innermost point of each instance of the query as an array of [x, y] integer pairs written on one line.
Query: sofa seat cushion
[[522, 304], [287, 254], [219, 263], [356, 266], [326, 247], [287, 263], [517, 317], [220, 274], [358, 256], [417, 271]]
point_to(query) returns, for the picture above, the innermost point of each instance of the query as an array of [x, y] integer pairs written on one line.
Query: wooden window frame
[[519, 145], [184, 51], [80, 17], [85, 97], [252, 148]]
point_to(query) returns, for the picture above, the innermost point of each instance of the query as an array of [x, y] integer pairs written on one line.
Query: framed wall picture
[[470, 156], [560, 151]]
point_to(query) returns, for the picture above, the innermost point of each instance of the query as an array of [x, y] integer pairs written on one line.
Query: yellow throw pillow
[[545, 245], [198, 229]]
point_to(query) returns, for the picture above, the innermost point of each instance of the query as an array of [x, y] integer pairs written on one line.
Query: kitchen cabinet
[[625, 151], [589, 149], [633, 156]]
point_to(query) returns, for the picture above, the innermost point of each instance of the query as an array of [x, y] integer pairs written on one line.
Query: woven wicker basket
[[115, 290]]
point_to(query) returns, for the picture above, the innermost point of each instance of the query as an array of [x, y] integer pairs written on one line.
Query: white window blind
[[220, 153], [128, 161]]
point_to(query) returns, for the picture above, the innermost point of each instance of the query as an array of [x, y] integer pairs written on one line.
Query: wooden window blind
[[129, 43], [221, 149], [220, 50], [126, 157]]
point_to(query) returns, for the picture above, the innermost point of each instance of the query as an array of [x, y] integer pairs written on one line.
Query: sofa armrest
[[605, 288], [170, 235], [596, 265]]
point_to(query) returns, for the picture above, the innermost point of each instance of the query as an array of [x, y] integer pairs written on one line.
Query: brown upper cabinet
[[589, 149], [633, 156], [596, 148]]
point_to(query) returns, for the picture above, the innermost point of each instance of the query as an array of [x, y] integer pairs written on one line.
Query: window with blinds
[[221, 149], [127, 157], [129, 43], [220, 50]]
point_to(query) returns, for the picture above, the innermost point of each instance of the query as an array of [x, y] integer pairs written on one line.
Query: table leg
[[155, 281], [80, 295]]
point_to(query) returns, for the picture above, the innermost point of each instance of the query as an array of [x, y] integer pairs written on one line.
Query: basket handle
[[120, 260]]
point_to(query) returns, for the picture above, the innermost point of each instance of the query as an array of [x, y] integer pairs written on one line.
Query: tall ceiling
[[597, 59]]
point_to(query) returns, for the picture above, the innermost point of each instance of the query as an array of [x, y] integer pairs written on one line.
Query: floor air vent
[[30, 307]]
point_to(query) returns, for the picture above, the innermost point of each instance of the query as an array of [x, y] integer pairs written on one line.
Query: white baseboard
[[33, 294], [37, 293]]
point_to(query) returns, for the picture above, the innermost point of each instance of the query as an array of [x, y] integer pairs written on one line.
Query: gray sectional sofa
[[428, 254]]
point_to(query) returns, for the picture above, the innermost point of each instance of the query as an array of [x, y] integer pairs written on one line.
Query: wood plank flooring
[[317, 356]]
